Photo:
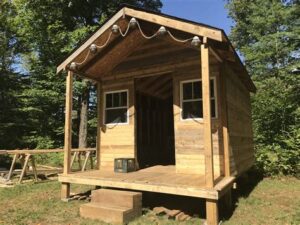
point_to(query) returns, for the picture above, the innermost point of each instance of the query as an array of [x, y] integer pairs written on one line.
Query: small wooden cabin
[[174, 96]]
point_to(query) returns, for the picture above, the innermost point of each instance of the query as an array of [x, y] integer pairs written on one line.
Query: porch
[[160, 179]]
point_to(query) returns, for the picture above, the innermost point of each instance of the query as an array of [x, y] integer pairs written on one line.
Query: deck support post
[[212, 212], [99, 124], [65, 191]]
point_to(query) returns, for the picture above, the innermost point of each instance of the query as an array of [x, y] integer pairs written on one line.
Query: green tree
[[267, 34], [49, 30], [11, 123]]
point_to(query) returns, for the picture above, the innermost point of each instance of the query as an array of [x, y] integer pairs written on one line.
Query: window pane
[[115, 116], [187, 89], [212, 88], [108, 100], [213, 108], [116, 99], [192, 110], [197, 89], [123, 98]]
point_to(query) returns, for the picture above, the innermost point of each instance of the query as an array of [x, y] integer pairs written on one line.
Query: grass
[[269, 201], [273, 201]]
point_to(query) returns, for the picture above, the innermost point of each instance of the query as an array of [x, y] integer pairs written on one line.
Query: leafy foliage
[[35, 36], [267, 35], [12, 127]]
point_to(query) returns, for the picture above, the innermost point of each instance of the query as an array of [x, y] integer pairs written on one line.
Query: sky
[[210, 12]]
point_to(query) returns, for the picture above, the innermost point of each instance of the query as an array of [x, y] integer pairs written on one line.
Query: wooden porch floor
[[161, 179]]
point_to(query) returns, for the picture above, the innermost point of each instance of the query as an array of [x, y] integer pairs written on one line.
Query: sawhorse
[[87, 156], [24, 158]]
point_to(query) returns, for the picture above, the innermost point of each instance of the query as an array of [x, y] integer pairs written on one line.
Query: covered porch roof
[[112, 44]]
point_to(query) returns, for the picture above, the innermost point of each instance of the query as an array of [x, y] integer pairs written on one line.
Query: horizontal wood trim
[[195, 164], [176, 24], [199, 193], [163, 68], [45, 151]]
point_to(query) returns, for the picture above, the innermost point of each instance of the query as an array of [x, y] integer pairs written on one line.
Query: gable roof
[[199, 29]]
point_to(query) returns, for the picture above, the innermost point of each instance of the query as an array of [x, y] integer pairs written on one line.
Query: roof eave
[[152, 17], [90, 40]]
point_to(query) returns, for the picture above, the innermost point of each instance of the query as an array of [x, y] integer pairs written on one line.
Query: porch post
[[208, 148], [211, 205], [99, 124], [65, 190]]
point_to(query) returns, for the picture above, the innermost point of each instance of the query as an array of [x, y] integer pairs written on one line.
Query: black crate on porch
[[124, 165]]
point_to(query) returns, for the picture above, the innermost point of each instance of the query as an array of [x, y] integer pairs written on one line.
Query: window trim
[[121, 107], [181, 98]]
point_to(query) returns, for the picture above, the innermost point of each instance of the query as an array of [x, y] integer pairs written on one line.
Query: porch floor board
[[161, 179]]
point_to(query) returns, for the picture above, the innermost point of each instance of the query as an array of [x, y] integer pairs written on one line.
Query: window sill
[[196, 120]]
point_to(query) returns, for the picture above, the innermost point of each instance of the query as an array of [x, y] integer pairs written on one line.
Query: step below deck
[[113, 206]]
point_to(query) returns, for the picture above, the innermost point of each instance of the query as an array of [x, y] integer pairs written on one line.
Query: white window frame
[[122, 107], [198, 99]]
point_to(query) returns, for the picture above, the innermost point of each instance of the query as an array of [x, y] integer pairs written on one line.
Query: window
[[116, 107], [191, 99]]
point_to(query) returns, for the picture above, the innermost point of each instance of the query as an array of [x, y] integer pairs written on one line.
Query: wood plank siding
[[239, 124], [161, 57], [117, 140], [190, 156]]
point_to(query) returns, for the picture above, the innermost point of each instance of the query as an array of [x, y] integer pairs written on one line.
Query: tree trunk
[[82, 137]]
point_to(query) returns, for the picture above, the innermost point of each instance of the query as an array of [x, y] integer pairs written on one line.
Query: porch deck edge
[[183, 191]]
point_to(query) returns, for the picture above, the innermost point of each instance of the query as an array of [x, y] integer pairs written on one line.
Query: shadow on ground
[[196, 207], [245, 184], [188, 205]]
